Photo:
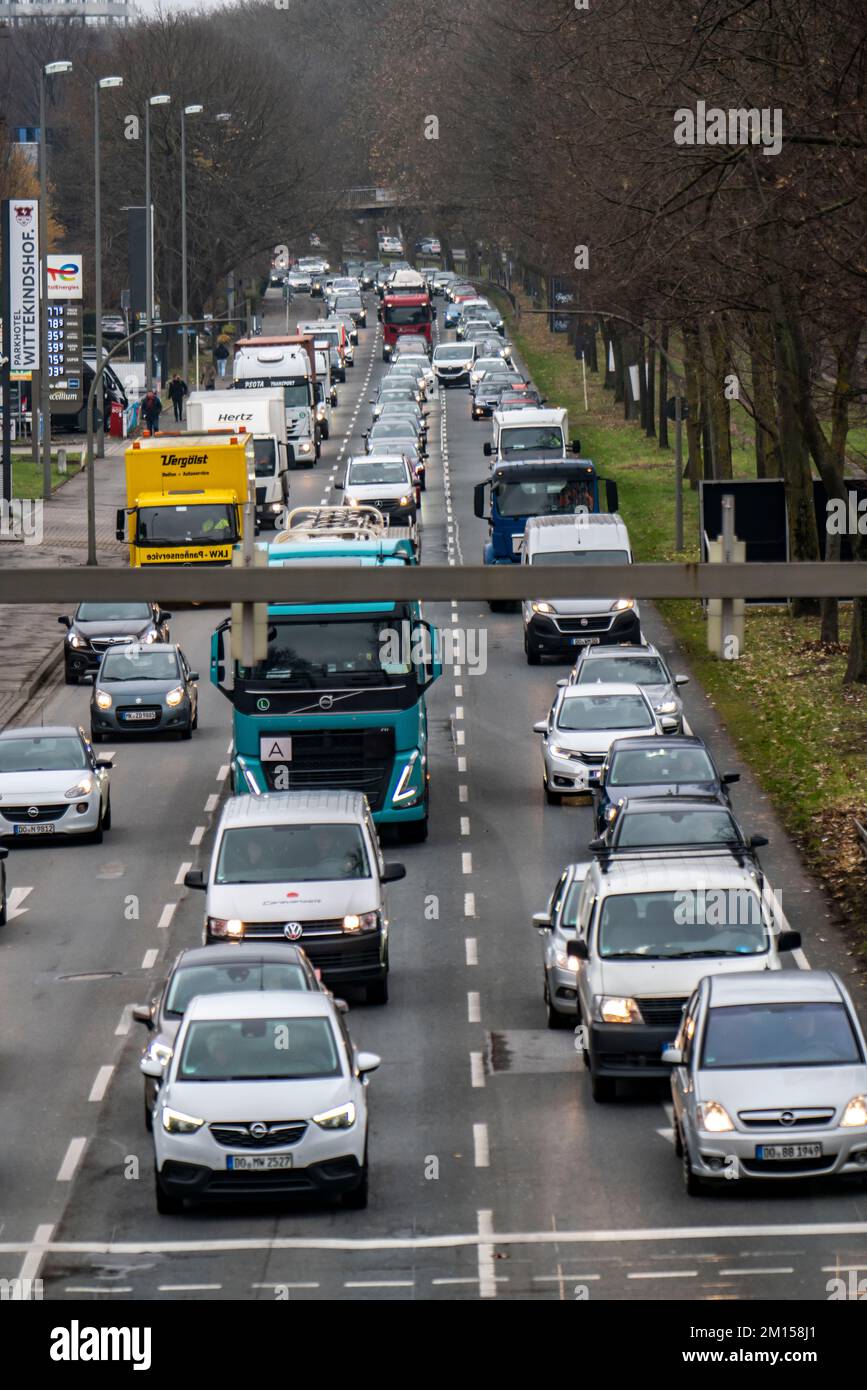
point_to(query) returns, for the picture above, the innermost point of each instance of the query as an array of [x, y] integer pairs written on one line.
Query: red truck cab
[[405, 314]]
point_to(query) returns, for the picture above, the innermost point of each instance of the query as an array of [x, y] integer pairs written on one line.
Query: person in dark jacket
[[221, 355], [151, 409], [177, 391]]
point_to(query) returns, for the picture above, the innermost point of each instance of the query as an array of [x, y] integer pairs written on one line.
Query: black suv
[[95, 628]]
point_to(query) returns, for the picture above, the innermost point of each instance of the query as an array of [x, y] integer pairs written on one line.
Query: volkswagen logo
[[326, 701], [263, 704], [33, 812], [583, 622], [293, 931], [787, 1118], [258, 1130]]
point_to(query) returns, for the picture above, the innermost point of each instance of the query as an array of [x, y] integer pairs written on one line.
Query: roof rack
[[741, 853], [343, 523]]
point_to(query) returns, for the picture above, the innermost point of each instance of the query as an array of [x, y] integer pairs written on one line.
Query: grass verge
[[27, 475]]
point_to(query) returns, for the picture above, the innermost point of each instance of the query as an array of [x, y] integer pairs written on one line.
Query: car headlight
[[305, 447], [158, 1052], [175, 696], [352, 502], [615, 1008], [611, 814], [403, 501], [560, 751], [320, 411], [103, 699], [667, 707], [151, 635], [82, 788], [542, 607], [622, 605], [361, 921], [176, 1122], [566, 962], [855, 1114], [341, 1117], [225, 926], [713, 1118], [405, 791], [75, 640]]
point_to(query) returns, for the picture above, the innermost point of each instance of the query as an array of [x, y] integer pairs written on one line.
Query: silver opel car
[[769, 1079]]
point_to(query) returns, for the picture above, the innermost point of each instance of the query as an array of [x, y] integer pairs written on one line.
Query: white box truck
[[538, 432], [287, 362], [261, 414]]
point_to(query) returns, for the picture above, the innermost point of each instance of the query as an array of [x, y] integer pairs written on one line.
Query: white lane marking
[[666, 1274], [459, 712], [559, 1278], [784, 1269], [477, 1070], [101, 1083], [166, 916], [379, 1284], [465, 825], [471, 946], [14, 900], [481, 1146], [459, 691], [457, 672], [284, 1286], [186, 1288], [835, 1269], [125, 1023], [35, 1255], [463, 792], [71, 1160], [462, 764], [198, 835], [223, 772], [474, 1007], [212, 803], [469, 904], [149, 959], [229, 751], [97, 1288], [466, 862], [460, 736], [487, 1280], [182, 873]]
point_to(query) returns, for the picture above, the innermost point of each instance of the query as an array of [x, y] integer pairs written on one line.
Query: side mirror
[[576, 446], [789, 941], [541, 727], [338, 487], [594, 774], [367, 1061], [669, 724], [681, 680], [120, 525], [561, 683], [577, 950], [108, 763], [541, 920], [194, 675], [612, 497], [672, 1056], [142, 1014], [393, 873], [194, 878], [341, 1006], [479, 501], [596, 845], [148, 1066], [486, 449], [65, 621], [165, 615], [731, 777], [757, 841]]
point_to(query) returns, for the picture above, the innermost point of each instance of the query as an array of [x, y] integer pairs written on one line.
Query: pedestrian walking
[[151, 409], [221, 357], [177, 391]]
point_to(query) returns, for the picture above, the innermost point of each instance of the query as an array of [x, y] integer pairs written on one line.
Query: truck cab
[[289, 363], [518, 491], [405, 314], [539, 432], [262, 415]]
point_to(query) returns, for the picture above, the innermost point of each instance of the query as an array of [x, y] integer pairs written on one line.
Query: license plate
[[585, 642], [34, 830], [140, 714], [257, 1163], [790, 1151]]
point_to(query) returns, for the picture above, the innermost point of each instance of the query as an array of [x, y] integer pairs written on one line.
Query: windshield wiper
[[700, 955]]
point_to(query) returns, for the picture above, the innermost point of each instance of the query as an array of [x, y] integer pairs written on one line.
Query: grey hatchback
[[144, 689]]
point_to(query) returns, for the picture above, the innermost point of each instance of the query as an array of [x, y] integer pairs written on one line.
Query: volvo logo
[[258, 1130], [787, 1118], [326, 701], [263, 704], [33, 812], [293, 931]]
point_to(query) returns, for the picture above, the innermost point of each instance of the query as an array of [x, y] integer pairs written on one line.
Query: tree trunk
[[762, 370], [715, 361], [641, 342], [650, 404], [692, 373], [663, 390]]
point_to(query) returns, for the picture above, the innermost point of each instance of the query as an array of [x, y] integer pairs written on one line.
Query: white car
[[52, 783], [265, 1096], [583, 722], [385, 483]]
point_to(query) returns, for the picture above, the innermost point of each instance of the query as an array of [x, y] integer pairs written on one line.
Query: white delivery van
[[261, 414], [269, 362], [539, 432]]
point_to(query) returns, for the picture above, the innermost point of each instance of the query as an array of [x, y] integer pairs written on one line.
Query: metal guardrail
[[436, 583]]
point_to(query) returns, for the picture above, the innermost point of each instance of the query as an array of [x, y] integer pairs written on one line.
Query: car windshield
[[44, 753], [171, 525], [406, 315], [546, 497], [292, 854], [629, 670], [710, 825], [403, 409], [688, 923], [530, 439], [642, 767], [488, 364], [348, 302], [259, 1049], [452, 352], [597, 713], [139, 666], [227, 977], [392, 429], [779, 1035], [112, 613], [364, 474]]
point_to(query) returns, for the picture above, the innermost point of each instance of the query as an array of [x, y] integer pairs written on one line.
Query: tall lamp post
[[101, 84], [161, 100], [185, 350], [49, 70]]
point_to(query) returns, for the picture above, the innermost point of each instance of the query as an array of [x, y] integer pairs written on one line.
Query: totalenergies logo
[[64, 274]]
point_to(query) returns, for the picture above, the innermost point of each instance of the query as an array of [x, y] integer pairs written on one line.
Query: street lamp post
[[101, 84], [161, 100], [185, 350], [49, 70]]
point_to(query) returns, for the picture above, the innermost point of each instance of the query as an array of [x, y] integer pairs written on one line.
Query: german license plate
[[34, 829], [585, 641], [257, 1163], [140, 714], [788, 1151]]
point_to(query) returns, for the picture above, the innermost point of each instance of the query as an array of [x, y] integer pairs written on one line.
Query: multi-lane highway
[[493, 1173]]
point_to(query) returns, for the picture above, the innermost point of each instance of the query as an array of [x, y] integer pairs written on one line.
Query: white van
[[305, 867], [558, 626], [539, 432]]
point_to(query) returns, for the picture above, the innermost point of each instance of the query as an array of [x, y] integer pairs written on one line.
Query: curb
[[39, 677]]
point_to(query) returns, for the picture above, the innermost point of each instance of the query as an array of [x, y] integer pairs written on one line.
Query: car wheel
[[69, 677], [3, 909], [106, 820], [356, 1200], [377, 991], [552, 798], [553, 1017], [602, 1088], [692, 1184], [96, 736], [167, 1205], [148, 1113], [187, 733], [533, 655], [196, 716]]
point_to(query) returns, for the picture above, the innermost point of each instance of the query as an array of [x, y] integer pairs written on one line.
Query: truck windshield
[[314, 652], [205, 522], [407, 314], [530, 439], [542, 497], [265, 455]]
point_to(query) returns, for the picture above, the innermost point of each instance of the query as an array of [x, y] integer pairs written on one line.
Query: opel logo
[[293, 931], [263, 704], [787, 1118], [258, 1130], [33, 812], [326, 701], [138, 699]]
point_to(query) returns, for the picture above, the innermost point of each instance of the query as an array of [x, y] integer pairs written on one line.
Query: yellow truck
[[186, 497]]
